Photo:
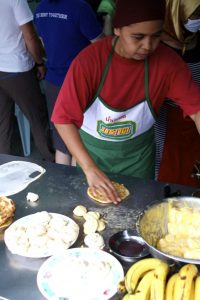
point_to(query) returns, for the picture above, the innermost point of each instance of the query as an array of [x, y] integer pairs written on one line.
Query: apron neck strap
[[106, 68], [146, 78]]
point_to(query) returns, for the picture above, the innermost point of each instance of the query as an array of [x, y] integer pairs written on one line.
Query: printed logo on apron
[[118, 130]]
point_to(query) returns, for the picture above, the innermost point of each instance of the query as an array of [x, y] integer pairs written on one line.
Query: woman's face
[[137, 41], [192, 24]]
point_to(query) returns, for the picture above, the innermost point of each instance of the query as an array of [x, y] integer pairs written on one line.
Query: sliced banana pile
[[183, 234], [92, 226]]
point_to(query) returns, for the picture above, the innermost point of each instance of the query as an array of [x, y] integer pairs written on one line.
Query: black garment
[[192, 55], [52, 92], [23, 88], [94, 4]]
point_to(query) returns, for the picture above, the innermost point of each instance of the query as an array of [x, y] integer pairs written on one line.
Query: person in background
[[107, 106], [65, 27], [182, 143], [21, 61], [107, 10], [104, 9]]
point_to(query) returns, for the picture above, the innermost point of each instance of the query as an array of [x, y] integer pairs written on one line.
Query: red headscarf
[[136, 11]]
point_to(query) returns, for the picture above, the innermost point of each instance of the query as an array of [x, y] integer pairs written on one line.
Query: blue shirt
[[66, 27]]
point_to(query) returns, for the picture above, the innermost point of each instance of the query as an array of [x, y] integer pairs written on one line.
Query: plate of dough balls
[[41, 234]]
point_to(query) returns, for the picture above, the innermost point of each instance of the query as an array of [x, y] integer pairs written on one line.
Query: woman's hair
[[177, 12]]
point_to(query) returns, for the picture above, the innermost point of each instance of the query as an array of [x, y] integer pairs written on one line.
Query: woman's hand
[[95, 177], [99, 181], [41, 71]]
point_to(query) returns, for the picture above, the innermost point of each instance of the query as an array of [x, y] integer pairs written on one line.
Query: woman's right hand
[[95, 177], [99, 181]]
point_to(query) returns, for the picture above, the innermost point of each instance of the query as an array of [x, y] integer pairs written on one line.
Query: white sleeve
[[22, 12]]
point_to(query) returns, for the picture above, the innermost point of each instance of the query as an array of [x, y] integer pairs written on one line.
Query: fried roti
[[7, 209], [122, 191]]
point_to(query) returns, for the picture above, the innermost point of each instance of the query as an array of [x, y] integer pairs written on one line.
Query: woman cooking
[[113, 91]]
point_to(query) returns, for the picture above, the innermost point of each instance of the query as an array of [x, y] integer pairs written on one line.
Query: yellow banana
[[128, 297], [159, 281], [170, 287], [197, 288], [183, 283], [192, 290], [137, 270], [142, 291]]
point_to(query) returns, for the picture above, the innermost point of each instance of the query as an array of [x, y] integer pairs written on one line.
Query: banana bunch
[[184, 285], [146, 279]]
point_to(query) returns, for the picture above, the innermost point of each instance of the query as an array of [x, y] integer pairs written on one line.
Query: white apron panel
[[106, 124]]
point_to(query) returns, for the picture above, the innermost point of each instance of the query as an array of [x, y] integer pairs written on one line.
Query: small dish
[[127, 246]]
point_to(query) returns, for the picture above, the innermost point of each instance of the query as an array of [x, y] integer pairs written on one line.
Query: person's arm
[[34, 46], [107, 25], [95, 177]]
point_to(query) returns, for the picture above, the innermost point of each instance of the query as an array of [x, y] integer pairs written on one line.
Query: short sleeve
[[22, 12]]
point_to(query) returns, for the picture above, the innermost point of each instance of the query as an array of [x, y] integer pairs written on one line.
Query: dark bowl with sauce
[[127, 246]]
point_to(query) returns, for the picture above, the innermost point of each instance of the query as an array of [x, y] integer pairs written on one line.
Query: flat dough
[[122, 191]]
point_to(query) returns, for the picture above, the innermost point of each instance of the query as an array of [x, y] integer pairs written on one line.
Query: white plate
[[70, 233], [80, 274], [15, 176]]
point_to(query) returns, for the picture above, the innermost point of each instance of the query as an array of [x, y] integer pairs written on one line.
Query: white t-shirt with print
[[14, 56]]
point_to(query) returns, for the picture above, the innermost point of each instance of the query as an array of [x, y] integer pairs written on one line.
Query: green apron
[[117, 140]]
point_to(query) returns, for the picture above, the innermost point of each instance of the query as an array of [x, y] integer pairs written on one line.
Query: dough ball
[[80, 211], [101, 225], [94, 240], [32, 197], [93, 214], [90, 226]]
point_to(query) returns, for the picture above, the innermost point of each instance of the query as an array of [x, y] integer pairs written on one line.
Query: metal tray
[[152, 225]]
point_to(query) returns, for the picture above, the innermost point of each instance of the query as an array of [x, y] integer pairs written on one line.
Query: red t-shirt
[[169, 77]]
